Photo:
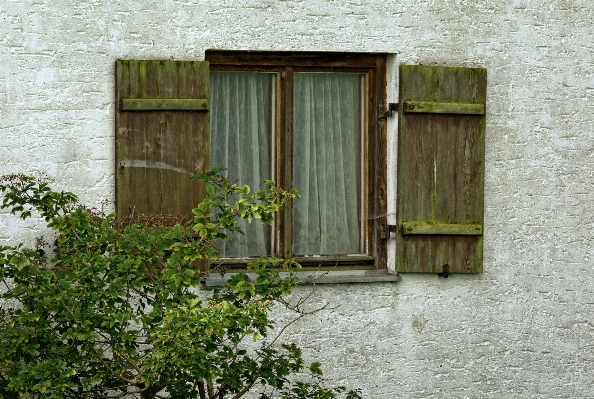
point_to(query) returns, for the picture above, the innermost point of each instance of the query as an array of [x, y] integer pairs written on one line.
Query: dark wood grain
[[157, 151], [441, 167]]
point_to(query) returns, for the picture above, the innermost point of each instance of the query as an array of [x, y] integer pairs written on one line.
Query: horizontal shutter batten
[[165, 104], [427, 107], [441, 229]]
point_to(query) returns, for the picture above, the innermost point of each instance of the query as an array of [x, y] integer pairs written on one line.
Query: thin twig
[[245, 389]]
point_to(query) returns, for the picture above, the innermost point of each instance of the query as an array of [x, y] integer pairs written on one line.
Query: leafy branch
[[114, 309]]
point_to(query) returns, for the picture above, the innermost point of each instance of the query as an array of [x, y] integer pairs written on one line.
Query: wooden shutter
[[162, 135], [441, 146]]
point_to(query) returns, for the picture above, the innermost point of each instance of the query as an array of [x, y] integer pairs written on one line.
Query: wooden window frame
[[373, 66]]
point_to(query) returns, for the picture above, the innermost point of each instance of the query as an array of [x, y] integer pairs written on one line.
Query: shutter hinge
[[391, 228], [390, 111]]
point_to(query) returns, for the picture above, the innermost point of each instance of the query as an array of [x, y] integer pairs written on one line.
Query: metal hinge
[[391, 228], [390, 111]]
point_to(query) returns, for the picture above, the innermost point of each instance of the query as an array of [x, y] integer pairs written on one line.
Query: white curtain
[[240, 140], [327, 163]]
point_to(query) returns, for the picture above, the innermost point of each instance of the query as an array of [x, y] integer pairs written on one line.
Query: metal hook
[[446, 271]]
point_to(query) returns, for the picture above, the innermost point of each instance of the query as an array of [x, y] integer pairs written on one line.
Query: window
[[313, 121], [309, 121], [306, 120]]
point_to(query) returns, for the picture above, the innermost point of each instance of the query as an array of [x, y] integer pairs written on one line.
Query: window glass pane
[[327, 171], [241, 131]]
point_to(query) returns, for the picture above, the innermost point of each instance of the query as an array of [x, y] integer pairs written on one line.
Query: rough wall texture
[[524, 328]]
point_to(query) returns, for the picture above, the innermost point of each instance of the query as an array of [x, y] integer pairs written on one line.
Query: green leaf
[[316, 368]]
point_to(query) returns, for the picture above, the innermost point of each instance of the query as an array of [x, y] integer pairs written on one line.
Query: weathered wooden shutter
[[441, 146], [162, 135]]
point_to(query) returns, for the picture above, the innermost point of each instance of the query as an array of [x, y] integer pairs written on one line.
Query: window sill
[[319, 277], [313, 263]]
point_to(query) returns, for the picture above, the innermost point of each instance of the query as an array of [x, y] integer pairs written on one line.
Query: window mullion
[[285, 157]]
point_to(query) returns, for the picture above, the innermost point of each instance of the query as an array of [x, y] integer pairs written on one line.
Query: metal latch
[[390, 111], [391, 228]]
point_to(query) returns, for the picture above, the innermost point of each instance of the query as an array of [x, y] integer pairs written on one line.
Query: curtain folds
[[242, 106], [327, 152], [327, 163]]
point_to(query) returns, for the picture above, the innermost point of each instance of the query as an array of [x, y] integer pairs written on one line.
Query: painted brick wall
[[524, 328]]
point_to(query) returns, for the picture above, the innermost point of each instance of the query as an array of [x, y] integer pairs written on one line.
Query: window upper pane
[[242, 109], [327, 131]]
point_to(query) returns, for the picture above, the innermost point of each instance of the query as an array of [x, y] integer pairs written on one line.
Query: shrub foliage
[[115, 309]]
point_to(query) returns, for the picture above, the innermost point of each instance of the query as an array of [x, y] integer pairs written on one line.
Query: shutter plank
[[157, 148], [429, 254], [441, 168]]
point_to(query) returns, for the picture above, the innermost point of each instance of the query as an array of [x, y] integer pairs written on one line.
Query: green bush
[[115, 310]]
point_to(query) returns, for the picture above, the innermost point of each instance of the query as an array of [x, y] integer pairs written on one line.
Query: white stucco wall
[[525, 327]]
